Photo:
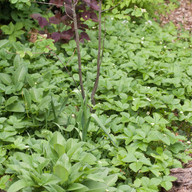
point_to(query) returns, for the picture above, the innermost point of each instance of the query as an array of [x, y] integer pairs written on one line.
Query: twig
[[98, 58], [65, 7], [78, 49], [112, 7]]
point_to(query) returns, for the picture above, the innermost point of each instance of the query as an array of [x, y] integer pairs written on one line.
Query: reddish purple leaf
[[86, 15], [35, 16], [82, 6], [94, 17], [56, 36], [55, 19], [83, 36], [84, 26], [57, 3], [68, 1], [93, 4], [67, 34], [66, 20], [42, 22]]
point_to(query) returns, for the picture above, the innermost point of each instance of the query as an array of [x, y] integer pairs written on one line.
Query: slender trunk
[[98, 59], [78, 49]]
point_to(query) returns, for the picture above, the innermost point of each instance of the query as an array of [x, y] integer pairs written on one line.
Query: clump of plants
[[62, 130]]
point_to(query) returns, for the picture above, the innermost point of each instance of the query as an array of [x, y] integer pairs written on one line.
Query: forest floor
[[182, 18]]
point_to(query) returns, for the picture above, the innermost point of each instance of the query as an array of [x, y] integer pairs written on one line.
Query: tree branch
[[98, 58], [78, 49]]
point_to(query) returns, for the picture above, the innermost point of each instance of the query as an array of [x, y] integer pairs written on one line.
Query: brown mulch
[[181, 16]]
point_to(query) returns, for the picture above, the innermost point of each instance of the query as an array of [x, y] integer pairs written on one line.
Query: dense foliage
[[49, 139]]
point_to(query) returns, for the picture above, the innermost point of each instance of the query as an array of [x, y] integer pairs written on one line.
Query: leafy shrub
[[58, 165], [138, 8], [143, 101]]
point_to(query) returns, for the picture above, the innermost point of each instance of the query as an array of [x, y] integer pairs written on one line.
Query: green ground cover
[[49, 140]]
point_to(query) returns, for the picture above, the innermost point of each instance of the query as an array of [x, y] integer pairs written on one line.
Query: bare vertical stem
[[98, 58], [78, 49]]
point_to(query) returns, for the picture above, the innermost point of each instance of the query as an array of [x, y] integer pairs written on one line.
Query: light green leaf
[[77, 187], [5, 78], [60, 171], [3, 180], [11, 100], [95, 186], [36, 94], [103, 128], [16, 107], [129, 158], [136, 166], [167, 185], [27, 97], [3, 42], [20, 74], [17, 186], [111, 180], [88, 158]]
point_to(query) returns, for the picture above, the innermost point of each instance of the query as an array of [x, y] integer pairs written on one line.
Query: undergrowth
[[49, 141]]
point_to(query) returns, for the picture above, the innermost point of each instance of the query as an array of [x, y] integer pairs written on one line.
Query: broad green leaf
[[129, 158], [16, 107], [77, 187], [177, 147], [5, 78], [60, 149], [48, 179], [54, 188], [88, 158], [3, 42], [20, 74], [167, 185], [11, 100], [3, 180], [17, 186], [126, 188], [36, 94], [60, 171], [27, 97], [136, 166], [45, 103], [111, 180], [17, 61], [57, 138], [95, 186]]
